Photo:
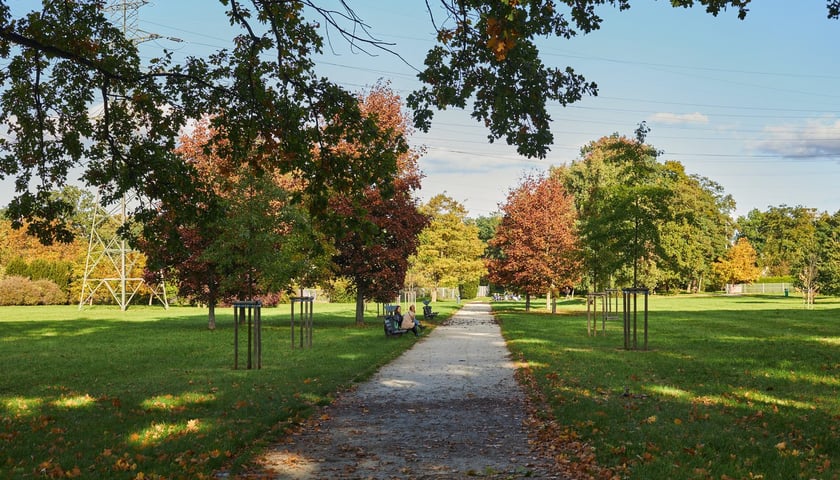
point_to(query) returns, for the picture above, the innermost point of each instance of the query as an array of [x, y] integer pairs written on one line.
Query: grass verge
[[730, 388], [151, 393]]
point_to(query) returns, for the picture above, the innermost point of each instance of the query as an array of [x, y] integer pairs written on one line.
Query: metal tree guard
[[305, 315], [631, 317], [593, 312], [251, 312]]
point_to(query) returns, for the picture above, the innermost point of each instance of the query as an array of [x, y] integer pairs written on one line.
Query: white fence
[[760, 288]]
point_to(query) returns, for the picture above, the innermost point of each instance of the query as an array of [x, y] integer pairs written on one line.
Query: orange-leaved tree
[[536, 238]]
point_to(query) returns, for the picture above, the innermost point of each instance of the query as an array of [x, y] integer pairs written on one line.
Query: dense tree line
[[639, 221]]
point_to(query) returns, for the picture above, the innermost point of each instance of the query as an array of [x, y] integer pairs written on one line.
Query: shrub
[[17, 267], [468, 290], [49, 292], [18, 290], [13, 290], [785, 279], [60, 272], [341, 290]]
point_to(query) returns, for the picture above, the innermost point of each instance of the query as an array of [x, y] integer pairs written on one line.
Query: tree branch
[[23, 41]]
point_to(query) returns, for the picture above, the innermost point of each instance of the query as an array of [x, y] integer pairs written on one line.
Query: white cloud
[[817, 138], [677, 118]]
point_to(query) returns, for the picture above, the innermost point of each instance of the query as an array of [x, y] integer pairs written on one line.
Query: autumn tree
[[450, 252], [245, 236], [536, 239], [375, 255], [67, 56], [739, 264]]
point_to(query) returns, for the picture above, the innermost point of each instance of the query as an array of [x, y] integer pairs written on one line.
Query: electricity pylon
[[110, 262]]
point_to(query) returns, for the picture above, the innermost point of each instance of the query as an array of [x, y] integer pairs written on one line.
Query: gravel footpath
[[449, 407]]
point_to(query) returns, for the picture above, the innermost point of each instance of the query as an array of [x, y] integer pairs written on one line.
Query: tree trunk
[[548, 300], [211, 305], [434, 294], [360, 308], [211, 315], [527, 302]]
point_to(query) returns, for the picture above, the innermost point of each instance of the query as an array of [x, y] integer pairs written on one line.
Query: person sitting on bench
[[408, 322], [412, 314]]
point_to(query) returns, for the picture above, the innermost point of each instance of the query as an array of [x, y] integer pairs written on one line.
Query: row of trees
[[250, 234], [617, 216], [614, 217], [249, 237], [242, 230]]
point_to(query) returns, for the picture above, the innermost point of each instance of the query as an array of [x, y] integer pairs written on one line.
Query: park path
[[449, 407]]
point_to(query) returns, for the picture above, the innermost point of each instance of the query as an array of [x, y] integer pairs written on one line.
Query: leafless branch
[[358, 35]]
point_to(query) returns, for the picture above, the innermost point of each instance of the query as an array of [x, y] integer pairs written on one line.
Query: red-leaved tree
[[536, 239], [373, 253]]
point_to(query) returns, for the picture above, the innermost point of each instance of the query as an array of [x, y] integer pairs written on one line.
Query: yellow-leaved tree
[[739, 265], [450, 251]]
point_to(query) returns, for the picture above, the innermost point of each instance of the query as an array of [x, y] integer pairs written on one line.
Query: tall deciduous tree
[[375, 256], [537, 239], [66, 56], [828, 237], [699, 231], [780, 236], [450, 251], [622, 195]]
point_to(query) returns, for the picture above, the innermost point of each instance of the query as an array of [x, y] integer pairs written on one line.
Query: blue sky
[[752, 104]]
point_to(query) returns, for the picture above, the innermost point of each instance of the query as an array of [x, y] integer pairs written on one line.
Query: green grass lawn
[[730, 388], [152, 393]]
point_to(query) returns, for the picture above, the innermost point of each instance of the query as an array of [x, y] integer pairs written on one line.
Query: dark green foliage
[[468, 290], [59, 272]]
